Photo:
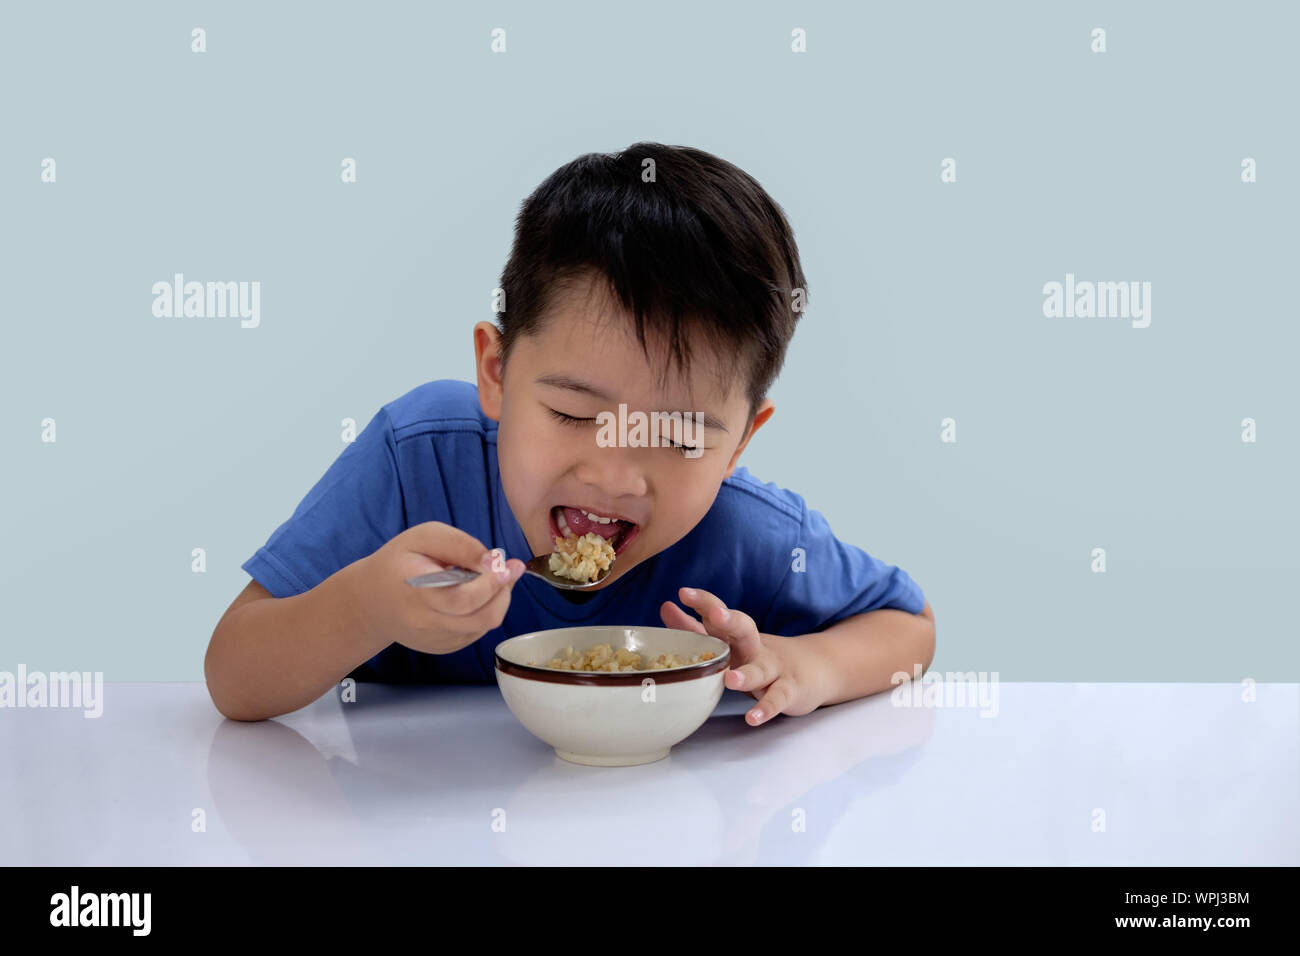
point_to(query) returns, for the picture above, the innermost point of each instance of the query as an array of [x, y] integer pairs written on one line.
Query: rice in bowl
[[603, 657]]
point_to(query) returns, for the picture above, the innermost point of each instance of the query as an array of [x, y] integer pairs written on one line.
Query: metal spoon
[[538, 567]]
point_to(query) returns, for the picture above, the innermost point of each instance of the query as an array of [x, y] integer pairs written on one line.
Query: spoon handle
[[443, 579]]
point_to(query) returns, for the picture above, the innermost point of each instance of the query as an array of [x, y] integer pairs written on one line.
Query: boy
[[664, 286]]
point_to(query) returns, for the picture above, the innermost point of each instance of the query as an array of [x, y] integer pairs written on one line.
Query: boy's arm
[[269, 656], [860, 655]]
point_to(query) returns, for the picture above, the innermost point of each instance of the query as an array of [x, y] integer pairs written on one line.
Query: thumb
[[447, 545]]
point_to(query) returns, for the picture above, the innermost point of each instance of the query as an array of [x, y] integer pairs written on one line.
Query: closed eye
[[569, 419], [576, 422]]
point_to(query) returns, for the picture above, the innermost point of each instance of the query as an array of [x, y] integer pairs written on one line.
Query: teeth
[[564, 525]]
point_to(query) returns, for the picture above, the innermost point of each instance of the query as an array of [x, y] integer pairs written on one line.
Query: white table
[[1187, 774]]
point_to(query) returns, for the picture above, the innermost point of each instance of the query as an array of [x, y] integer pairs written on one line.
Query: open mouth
[[570, 519]]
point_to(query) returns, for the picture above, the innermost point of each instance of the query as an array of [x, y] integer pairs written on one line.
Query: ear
[[487, 361], [764, 412]]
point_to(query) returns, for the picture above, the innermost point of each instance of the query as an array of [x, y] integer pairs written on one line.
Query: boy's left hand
[[774, 670]]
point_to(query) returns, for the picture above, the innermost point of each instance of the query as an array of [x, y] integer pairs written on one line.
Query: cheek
[[530, 457], [685, 496], [514, 457]]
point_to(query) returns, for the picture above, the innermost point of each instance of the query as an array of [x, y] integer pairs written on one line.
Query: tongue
[[580, 524]]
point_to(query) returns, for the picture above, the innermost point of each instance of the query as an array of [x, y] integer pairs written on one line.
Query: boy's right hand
[[435, 620]]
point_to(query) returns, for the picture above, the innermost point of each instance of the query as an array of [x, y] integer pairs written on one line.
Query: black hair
[[687, 242]]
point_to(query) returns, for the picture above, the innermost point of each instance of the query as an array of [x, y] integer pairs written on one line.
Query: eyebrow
[[586, 388]]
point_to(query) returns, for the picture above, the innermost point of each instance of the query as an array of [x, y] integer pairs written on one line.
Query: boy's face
[[580, 367]]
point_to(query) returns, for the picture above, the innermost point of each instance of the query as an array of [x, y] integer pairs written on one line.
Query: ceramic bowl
[[611, 719]]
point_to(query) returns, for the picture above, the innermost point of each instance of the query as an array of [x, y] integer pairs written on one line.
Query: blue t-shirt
[[431, 455]]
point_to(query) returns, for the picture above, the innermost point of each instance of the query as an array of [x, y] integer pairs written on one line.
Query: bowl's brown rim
[[669, 675]]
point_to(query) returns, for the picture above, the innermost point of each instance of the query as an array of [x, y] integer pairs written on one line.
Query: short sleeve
[[353, 510], [828, 580]]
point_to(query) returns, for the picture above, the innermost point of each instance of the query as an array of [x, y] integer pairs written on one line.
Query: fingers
[[444, 544], [751, 668], [753, 675], [675, 617], [775, 701], [750, 678], [489, 615], [735, 627], [755, 668], [465, 600], [467, 610]]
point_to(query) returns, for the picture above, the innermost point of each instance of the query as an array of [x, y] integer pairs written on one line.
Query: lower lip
[[628, 536]]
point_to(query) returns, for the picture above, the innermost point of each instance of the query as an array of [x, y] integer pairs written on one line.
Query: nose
[[614, 472]]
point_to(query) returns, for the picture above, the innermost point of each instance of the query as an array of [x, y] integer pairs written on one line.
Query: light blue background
[[926, 298]]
